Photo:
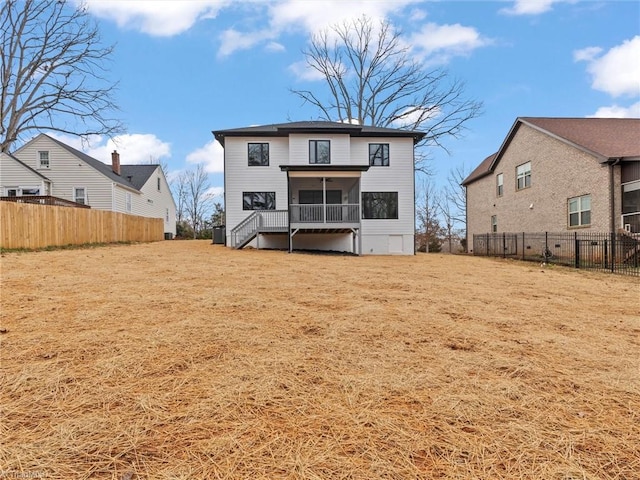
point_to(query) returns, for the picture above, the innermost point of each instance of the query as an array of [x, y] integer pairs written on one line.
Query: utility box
[[219, 235]]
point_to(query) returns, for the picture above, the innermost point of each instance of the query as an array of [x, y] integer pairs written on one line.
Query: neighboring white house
[[47, 166], [320, 186]]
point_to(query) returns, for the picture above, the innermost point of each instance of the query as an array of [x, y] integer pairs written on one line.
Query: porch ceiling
[[324, 171]]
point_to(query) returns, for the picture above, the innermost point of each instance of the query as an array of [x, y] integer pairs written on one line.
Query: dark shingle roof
[[96, 164], [284, 129], [137, 174], [606, 138]]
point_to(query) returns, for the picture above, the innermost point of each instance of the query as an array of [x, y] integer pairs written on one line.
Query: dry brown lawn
[[185, 360]]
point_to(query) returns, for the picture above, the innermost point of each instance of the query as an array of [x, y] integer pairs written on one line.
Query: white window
[[494, 223], [499, 184], [22, 191], [580, 211], [523, 176], [43, 159], [127, 201], [80, 195], [158, 183]]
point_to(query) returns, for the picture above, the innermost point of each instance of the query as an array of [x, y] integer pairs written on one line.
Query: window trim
[[315, 142], [500, 184], [524, 175], [20, 191], [494, 223], [84, 198], [40, 165], [384, 157], [159, 183], [392, 217], [262, 152], [580, 211], [244, 194]]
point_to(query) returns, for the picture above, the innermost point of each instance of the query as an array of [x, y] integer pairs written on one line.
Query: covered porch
[[324, 201]]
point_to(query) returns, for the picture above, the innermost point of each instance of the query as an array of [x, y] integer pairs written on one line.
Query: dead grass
[[184, 360]]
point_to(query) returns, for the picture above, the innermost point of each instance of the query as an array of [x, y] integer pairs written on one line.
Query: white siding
[[67, 172], [154, 203], [13, 174], [340, 148], [240, 177], [397, 177]]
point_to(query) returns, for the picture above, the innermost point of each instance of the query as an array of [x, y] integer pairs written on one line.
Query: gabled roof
[[25, 166], [319, 127], [101, 167], [137, 175], [607, 139]]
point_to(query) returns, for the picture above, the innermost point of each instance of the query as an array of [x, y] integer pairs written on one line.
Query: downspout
[[612, 197], [289, 212]]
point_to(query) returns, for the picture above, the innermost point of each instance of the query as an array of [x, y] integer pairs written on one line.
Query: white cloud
[[615, 111], [215, 192], [134, 148], [529, 7], [157, 18], [274, 47], [445, 41], [586, 54], [212, 155], [232, 40], [302, 71], [412, 115], [617, 72]]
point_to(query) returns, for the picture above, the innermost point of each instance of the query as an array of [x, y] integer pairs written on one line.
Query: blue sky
[[188, 67]]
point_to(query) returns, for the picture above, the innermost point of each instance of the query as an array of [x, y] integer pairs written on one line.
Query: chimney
[[115, 162]]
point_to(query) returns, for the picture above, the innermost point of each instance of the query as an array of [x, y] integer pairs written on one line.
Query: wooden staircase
[[260, 221]]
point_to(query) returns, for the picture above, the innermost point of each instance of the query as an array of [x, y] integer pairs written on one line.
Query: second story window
[[379, 154], [499, 184], [43, 159], [80, 195], [523, 176], [158, 183], [319, 151], [258, 154]]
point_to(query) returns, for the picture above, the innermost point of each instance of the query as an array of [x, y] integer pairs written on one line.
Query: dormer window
[[319, 151], [43, 159]]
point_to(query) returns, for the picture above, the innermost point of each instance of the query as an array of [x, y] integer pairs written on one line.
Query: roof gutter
[[612, 196]]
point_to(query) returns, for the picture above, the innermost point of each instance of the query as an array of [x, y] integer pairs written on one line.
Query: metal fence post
[[576, 249], [504, 245], [613, 252]]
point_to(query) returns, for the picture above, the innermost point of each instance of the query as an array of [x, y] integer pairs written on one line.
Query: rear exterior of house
[[320, 186], [64, 172], [559, 175]]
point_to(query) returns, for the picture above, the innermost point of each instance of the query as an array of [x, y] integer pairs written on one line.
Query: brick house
[[558, 174]]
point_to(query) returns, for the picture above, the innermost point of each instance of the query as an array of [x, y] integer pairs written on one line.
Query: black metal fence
[[612, 252]]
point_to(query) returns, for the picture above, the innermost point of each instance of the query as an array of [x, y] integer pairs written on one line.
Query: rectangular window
[[158, 183], [523, 176], [258, 154], [258, 200], [80, 195], [494, 223], [380, 205], [127, 199], [319, 151], [580, 211], [499, 184], [43, 159], [379, 154], [166, 215]]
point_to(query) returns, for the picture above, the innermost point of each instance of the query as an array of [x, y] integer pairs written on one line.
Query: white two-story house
[[45, 166], [320, 186]]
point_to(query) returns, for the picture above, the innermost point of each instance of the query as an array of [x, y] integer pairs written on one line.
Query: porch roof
[[325, 169]]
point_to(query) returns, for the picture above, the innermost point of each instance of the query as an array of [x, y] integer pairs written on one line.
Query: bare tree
[[454, 202], [429, 229], [198, 202], [372, 79], [52, 72]]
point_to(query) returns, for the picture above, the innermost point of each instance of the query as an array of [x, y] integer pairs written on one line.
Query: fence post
[[524, 257], [613, 252], [546, 246], [576, 249], [487, 244], [606, 253], [504, 245]]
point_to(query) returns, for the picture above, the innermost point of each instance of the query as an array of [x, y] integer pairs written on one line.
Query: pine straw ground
[[185, 360]]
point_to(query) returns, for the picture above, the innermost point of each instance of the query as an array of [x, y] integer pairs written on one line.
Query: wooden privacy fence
[[24, 225]]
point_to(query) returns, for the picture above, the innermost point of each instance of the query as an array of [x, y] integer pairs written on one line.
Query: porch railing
[[258, 221], [325, 213], [44, 200]]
